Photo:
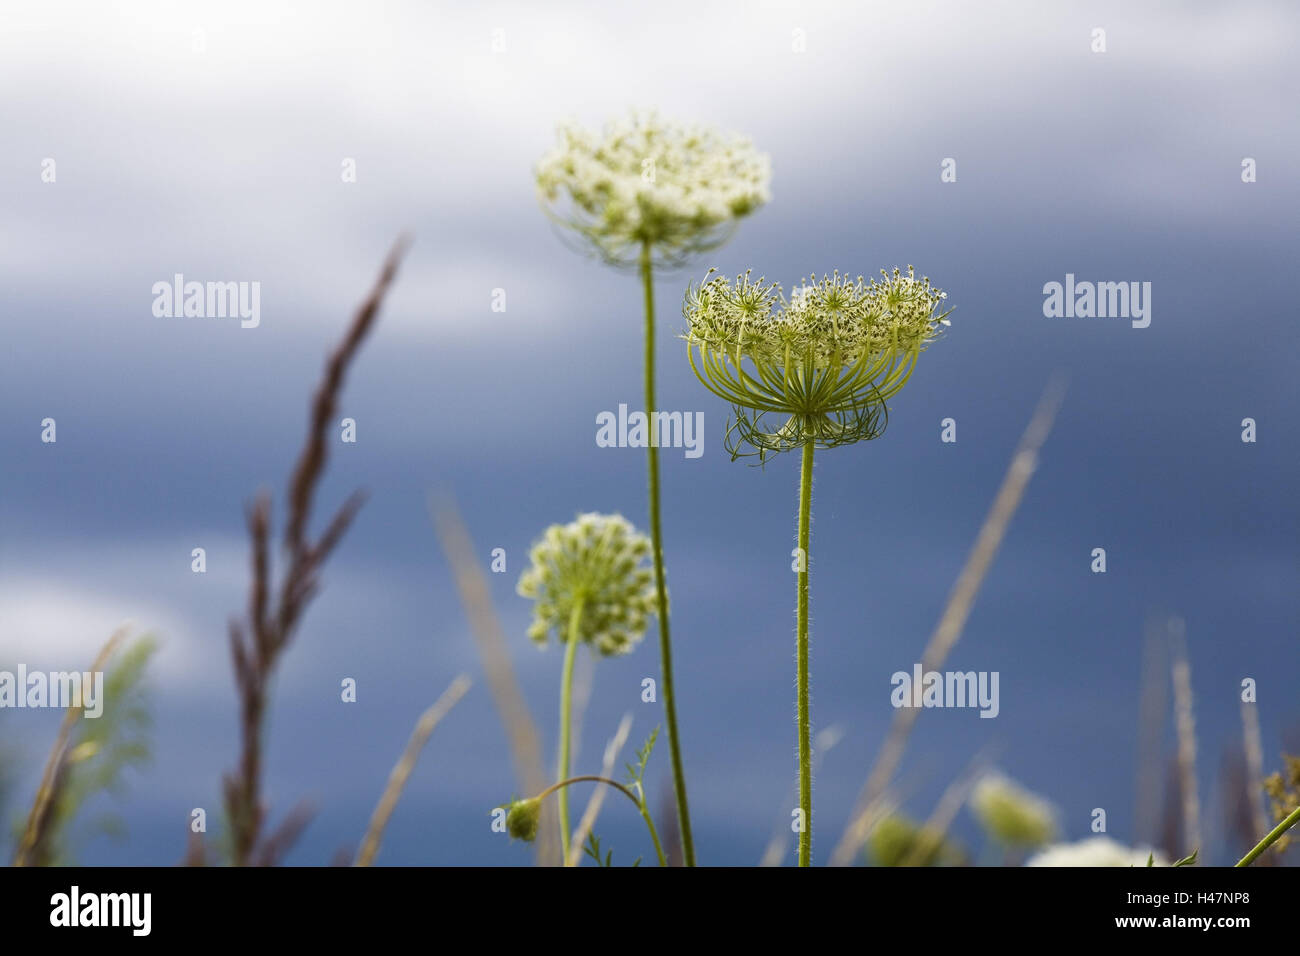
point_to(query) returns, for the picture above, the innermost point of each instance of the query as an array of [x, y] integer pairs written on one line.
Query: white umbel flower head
[[831, 322], [829, 357], [680, 189], [598, 560], [1096, 851], [1011, 814]]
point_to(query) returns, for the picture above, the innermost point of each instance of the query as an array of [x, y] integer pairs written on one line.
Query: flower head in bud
[[522, 817], [598, 565], [1011, 814], [899, 841], [679, 189], [827, 358]]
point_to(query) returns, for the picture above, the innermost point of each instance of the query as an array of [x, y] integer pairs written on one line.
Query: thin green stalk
[[588, 778], [805, 724], [566, 719], [562, 787], [654, 835], [1292, 819], [656, 536]]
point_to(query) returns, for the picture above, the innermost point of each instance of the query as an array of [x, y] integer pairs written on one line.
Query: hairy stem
[[566, 719], [801, 641], [1292, 819], [656, 535]]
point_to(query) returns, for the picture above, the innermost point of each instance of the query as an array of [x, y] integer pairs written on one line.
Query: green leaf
[[637, 773], [592, 849]]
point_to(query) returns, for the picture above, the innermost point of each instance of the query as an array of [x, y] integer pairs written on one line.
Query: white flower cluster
[[1095, 851], [598, 560], [642, 181], [832, 322], [1011, 814]]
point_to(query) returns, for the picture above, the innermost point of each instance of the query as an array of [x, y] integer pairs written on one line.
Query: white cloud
[[53, 627], [227, 161], [66, 602]]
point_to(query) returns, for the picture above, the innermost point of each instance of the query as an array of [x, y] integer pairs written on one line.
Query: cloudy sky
[[208, 139]]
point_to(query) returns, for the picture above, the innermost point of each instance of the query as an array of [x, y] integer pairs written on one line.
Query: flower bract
[[826, 358]]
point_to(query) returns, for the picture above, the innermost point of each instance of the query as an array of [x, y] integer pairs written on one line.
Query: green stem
[[654, 835], [656, 536], [562, 787], [588, 778], [805, 724], [566, 716], [1292, 819]]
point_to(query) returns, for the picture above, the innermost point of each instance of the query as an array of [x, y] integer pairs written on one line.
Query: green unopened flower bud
[[640, 181], [595, 559], [522, 819], [1011, 814], [899, 841]]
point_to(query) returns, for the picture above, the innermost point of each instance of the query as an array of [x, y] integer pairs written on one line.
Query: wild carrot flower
[[813, 370], [1095, 851], [647, 192], [645, 182], [590, 571], [825, 360], [590, 586]]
